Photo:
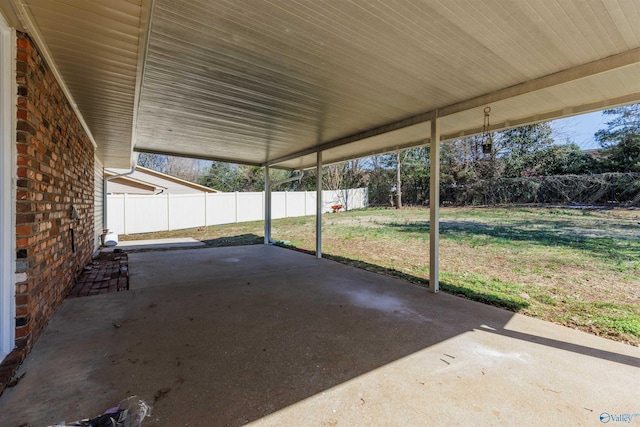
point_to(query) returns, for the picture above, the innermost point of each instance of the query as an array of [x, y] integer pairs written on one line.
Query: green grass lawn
[[579, 268]]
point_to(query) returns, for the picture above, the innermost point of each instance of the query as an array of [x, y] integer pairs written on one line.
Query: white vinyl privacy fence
[[133, 213]]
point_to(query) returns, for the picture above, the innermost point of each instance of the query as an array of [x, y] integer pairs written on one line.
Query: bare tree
[[181, 167], [333, 176], [186, 168]]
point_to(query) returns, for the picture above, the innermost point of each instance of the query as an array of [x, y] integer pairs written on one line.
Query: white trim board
[[7, 187]]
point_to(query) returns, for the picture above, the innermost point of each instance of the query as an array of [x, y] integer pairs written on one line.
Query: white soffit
[[256, 81], [94, 47], [598, 92]]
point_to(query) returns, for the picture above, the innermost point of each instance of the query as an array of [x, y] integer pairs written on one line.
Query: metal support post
[[319, 205], [434, 206], [267, 206]]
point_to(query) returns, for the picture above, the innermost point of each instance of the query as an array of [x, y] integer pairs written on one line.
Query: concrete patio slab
[[265, 335], [157, 244]]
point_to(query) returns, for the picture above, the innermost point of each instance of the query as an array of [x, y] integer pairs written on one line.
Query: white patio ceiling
[[268, 82]]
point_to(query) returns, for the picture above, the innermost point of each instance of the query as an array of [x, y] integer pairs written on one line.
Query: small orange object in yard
[[336, 208]]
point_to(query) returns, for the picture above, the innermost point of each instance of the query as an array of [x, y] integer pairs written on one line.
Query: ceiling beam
[[565, 112], [579, 72], [392, 149], [196, 156], [146, 16], [353, 138], [551, 115]]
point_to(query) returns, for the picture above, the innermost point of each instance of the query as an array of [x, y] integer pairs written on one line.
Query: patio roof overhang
[[270, 83]]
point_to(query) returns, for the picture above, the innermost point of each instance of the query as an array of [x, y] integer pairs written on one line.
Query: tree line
[[526, 154]]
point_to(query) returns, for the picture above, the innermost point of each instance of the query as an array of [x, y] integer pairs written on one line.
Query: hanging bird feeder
[[487, 137]]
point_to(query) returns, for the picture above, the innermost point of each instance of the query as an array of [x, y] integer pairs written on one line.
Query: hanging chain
[[487, 137]]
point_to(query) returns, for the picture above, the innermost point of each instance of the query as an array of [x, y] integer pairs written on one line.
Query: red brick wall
[[55, 172]]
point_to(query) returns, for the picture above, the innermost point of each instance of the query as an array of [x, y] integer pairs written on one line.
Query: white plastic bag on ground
[[130, 412]]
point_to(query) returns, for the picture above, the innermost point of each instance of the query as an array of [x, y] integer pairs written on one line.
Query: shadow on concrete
[[239, 240], [166, 244], [268, 328], [227, 336], [512, 304], [490, 299], [567, 346]]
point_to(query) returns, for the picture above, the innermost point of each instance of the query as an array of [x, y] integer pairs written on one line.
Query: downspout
[[105, 181], [284, 181], [268, 187], [146, 16]]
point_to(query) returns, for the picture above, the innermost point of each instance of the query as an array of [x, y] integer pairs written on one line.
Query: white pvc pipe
[[268, 186], [104, 192], [283, 181]]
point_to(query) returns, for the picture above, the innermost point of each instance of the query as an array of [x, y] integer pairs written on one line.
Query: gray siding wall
[[98, 202]]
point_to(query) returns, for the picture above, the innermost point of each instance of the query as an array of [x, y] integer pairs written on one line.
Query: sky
[[580, 129]]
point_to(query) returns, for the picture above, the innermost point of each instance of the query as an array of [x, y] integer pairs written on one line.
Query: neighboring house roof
[[148, 181]]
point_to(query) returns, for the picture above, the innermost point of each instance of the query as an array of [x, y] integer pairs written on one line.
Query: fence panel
[[145, 214], [310, 203], [221, 208], [115, 213], [354, 198], [129, 214], [295, 203], [278, 204], [250, 207], [329, 198], [186, 211]]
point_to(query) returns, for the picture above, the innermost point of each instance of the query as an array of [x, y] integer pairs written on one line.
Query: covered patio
[[236, 335], [296, 340], [300, 85]]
